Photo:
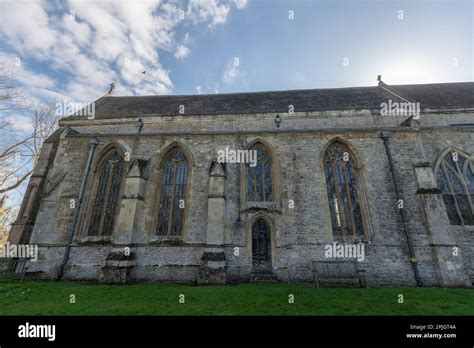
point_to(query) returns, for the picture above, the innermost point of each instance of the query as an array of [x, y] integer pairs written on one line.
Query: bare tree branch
[[20, 146], [8, 151], [18, 183], [21, 151], [11, 97]]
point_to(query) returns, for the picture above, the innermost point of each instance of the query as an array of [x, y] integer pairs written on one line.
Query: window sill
[[166, 240]]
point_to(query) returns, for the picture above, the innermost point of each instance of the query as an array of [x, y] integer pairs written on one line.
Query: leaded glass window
[[341, 184], [109, 177], [456, 181], [172, 194], [259, 177]]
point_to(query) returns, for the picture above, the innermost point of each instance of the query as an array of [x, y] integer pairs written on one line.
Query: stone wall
[[299, 234]]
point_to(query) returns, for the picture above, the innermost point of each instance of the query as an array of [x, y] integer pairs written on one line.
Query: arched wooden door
[[261, 246]]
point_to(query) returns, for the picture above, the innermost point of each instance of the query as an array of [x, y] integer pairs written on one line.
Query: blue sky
[[308, 51], [74, 49]]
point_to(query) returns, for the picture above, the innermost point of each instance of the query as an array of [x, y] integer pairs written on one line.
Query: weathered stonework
[[118, 265], [216, 245]]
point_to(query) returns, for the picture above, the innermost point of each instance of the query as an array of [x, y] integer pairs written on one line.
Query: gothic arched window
[[259, 177], [108, 180], [173, 188], [341, 183], [456, 181]]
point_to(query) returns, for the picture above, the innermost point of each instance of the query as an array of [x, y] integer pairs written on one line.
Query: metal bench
[[13, 267], [337, 270]]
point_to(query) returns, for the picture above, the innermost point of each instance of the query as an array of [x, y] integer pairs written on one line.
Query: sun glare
[[410, 73]]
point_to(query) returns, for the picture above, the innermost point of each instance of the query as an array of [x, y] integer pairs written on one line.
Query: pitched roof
[[438, 95], [433, 96]]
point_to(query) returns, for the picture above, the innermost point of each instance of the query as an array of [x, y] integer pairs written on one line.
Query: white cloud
[[240, 4], [211, 11], [33, 87], [90, 44], [80, 31], [15, 68], [198, 90], [19, 123], [231, 72], [26, 24], [187, 38], [181, 52], [32, 79]]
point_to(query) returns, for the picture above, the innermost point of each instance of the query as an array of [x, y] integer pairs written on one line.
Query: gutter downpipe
[[413, 260], [93, 143]]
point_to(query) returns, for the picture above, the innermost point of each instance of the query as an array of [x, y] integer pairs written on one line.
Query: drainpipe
[[413, 260], [93, 143]]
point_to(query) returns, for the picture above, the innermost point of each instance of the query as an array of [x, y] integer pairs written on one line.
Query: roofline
[[390, 89], [233, 93], [278, 91]]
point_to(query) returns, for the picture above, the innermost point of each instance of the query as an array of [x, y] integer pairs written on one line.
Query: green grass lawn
[[53, 298]]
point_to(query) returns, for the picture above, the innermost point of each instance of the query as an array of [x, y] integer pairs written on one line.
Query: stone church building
[[136, 191]]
